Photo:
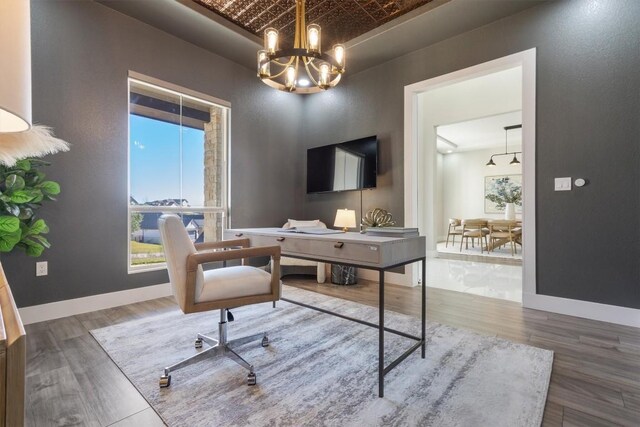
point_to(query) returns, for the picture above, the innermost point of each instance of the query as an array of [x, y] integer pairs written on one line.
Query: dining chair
[[196, 290], [454, 230], [474, 229], [503, 231]]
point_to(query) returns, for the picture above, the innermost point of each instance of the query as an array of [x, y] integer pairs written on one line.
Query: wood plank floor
[[595, 379]]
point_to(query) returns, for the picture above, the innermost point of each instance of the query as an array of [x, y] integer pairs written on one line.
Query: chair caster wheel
[[251, 379], [198, 343], [165, 381], [265, 341]]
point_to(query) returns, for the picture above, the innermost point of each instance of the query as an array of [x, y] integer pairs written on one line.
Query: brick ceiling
[[341, 20]]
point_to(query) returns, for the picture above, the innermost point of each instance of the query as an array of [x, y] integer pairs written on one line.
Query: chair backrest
[[474, 224], [177, 247], [454, 222], [506, 225]]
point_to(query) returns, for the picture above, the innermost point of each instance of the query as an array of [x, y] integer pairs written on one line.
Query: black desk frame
[[420, 341]]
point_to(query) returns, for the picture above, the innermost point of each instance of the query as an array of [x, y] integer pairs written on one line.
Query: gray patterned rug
[[322, 370]]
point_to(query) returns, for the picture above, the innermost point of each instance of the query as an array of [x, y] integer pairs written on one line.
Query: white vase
[[510, 211]]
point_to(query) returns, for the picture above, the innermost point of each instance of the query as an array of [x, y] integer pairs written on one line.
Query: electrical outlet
[[42, 268]]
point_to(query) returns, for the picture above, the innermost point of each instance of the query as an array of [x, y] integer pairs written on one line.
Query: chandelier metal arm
[[282, 64], [306, 67], [304, 53], [284, 70]]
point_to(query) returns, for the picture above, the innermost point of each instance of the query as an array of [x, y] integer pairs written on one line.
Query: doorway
[[448, 105]]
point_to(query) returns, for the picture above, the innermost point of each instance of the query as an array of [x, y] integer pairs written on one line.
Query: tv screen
[[351, 165]]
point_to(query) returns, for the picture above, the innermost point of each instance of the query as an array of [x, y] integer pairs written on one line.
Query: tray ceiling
[[341, 20]]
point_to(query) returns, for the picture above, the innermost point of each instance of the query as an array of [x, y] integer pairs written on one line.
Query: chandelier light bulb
[[313, 38], [290, 82], [325, 75], [271, 40], [338, 52], [264, 70]]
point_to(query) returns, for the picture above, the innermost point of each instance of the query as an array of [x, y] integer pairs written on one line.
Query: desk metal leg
[[424, 305], [381, 335]]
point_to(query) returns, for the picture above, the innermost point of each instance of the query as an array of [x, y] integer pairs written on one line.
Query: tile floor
[[501, 252], [478, 278]]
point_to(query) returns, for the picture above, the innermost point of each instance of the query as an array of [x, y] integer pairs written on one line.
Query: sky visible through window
[[155, 161]]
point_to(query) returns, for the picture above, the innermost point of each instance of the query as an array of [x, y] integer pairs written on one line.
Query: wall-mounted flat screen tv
[[351, 165]]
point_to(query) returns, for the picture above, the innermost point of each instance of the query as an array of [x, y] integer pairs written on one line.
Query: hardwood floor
[[595, 379]]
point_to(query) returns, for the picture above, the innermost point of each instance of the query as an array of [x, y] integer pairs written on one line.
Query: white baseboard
[[589, 310], [71, 307]]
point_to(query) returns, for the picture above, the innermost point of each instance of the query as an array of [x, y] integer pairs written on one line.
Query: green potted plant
[[506, 195], [23, 189]]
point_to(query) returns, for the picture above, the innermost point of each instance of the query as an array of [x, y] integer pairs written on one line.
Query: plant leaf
[[43, 240], [35, 177], [14, 182], [23, 164], [22, 196], [38, 227], [49, 188], [9, 224], [25, 213], [9, 240], [34, 249], [13, 209], [38, 162]]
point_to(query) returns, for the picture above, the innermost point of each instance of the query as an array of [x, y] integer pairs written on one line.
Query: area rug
[[322, 370]]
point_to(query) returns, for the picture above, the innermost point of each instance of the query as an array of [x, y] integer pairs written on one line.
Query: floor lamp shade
[[15, 57]]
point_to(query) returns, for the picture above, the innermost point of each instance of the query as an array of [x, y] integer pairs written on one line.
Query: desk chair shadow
[[196, 290]]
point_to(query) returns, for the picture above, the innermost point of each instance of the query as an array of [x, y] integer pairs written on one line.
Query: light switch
[[563, 184]]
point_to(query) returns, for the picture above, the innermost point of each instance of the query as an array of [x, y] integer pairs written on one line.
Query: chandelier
[[515, 160], [305, 68]]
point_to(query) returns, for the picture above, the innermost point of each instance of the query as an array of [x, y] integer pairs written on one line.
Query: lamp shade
[[345, 218], [15, 56]]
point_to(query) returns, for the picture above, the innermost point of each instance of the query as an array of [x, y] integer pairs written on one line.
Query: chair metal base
[[219, 347]]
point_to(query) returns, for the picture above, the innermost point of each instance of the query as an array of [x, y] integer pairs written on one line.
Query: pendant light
[[305, 68], [515, 160]]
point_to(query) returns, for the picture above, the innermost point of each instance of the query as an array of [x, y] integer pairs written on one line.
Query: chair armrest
[[222, 244], [194, 260]]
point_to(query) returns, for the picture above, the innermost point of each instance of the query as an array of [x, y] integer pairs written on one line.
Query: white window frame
[[224, 209]]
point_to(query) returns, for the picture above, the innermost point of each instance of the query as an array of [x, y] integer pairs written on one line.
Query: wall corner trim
[[585, 309], [71, 307]]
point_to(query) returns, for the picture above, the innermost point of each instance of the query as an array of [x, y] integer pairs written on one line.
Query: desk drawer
[[286, 243], [355, 252], [330, 250]]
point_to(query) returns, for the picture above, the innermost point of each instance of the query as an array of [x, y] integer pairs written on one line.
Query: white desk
[[358, 250]]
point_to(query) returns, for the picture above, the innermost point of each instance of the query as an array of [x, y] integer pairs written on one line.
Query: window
[[178, 143]]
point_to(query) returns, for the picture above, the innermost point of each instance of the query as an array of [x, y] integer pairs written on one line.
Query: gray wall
[[588, 122], [82, 52], [588, 125]]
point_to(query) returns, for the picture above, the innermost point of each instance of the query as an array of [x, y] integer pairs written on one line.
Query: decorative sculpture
[[378, 218]]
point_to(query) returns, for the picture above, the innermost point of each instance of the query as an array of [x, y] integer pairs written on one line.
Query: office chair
[[196, 290]]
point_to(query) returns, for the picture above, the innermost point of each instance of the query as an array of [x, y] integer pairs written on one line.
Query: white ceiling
[[478, 134], [434, 22]]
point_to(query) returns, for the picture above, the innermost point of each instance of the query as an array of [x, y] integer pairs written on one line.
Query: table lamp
[[345, 218]]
